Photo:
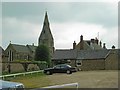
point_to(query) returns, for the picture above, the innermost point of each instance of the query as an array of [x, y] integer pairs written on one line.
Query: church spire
[[46, 37], [46, 21]]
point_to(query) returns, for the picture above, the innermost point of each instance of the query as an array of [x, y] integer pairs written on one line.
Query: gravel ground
[[87, 79]]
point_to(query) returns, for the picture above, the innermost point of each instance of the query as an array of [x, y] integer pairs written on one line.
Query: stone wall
[[111, 62], [92, 65], [72, 63], [33, 67], [18, 67], [14, 67]]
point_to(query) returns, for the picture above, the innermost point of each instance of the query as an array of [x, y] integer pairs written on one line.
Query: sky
[[22, 22]]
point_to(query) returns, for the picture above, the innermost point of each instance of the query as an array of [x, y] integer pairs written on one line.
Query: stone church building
[[27, 52], [86, 55]]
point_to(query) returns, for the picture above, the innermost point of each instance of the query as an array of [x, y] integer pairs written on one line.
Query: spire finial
[[46, 21], [45, 12]]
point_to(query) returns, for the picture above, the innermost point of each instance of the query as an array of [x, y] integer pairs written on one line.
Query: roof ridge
[[31, 45], [18, 44]]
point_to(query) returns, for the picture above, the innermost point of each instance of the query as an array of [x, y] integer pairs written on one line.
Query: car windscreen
[[69, 66], [65, 65]]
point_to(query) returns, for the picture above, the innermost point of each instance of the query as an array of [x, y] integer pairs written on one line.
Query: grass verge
[[31, 81]]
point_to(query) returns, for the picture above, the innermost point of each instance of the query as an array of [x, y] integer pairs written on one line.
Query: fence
[[17, 74]]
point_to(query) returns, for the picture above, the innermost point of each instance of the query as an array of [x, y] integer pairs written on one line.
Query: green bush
[[42, 54]]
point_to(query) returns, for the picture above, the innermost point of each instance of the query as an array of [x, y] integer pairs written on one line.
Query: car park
[[61, 68]]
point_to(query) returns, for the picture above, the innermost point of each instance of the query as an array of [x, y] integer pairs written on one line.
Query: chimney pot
[[81, 38], [113, 47], [74, 45], [104, 46]]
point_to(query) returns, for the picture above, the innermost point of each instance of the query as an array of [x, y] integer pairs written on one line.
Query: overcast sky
[[22, 22]]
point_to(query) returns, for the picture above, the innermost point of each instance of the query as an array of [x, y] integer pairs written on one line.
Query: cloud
[[110, 37], [88, 12], [19, 31], [66, 33], [23, 32]]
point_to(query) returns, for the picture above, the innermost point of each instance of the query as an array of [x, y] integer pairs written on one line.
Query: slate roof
[[32, 47], [81, 54], [64, 54], [92, 54], [20, 48]]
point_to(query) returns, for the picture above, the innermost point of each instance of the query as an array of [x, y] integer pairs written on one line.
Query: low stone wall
[[32, 67], [14, 67], [18, 67]]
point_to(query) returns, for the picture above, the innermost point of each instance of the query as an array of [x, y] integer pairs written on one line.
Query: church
[[86, 55], [27, 52]]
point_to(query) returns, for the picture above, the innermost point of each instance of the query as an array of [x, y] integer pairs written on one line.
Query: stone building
[[104, 59], [17, 52], [27, 52], [1, 53], [46, 37], [20, 52], [3, 56], [112, 60], [92, 44]]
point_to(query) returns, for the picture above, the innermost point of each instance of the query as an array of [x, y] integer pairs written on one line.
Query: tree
[[42, 54]]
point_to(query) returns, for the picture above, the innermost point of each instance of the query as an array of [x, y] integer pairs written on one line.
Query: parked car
[[7, 85], [61, 68]]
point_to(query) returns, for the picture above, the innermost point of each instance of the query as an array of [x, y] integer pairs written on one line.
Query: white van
[[7, 85]]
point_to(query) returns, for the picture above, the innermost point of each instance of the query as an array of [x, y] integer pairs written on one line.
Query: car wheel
[[68, 72], [48, 72]]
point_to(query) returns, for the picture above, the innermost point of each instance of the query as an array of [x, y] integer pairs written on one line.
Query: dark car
[[61, 68]]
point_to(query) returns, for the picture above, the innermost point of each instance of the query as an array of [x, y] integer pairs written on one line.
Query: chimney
[[92, 40], [104, 46], [100, 44], [96, 40], [74, 45], [81, 38], [81, 43], [113, 50], [113, 47]]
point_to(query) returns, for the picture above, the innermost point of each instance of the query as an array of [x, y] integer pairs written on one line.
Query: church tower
[[46, 37]]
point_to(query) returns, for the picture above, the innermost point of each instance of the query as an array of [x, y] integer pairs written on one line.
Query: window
[[68, 61], [79, 62], [57, 67], [10, 54]]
